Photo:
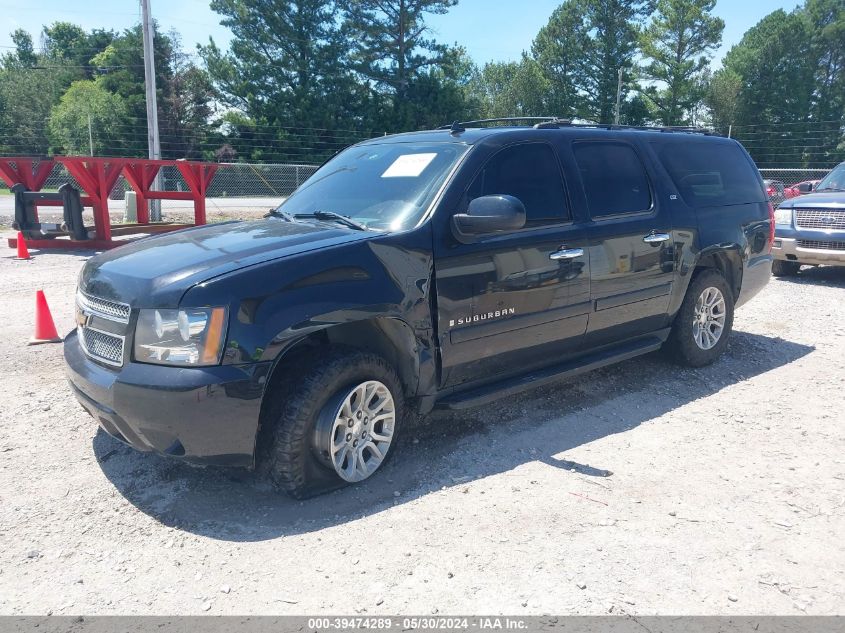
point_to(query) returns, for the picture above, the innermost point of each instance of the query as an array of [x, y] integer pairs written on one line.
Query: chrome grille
[[111, 310], [820, 218], [102, 346], [827, 246]]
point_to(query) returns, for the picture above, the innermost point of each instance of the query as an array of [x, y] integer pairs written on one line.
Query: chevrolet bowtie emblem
[[82, 319]]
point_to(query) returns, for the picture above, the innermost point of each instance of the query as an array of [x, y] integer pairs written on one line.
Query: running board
[[488, 393]]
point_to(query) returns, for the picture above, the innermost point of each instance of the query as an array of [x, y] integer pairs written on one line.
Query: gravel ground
[[641, 488]]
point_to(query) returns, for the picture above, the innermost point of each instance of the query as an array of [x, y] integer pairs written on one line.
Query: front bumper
[[787, 249], [203, 414]]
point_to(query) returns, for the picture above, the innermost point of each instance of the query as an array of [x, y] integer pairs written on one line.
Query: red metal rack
[[97, 177]]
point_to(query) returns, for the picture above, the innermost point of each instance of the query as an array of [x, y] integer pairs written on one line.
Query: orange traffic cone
[[23, 251], [45, 329]]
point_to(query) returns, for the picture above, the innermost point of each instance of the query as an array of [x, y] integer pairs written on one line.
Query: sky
[[490, 30]]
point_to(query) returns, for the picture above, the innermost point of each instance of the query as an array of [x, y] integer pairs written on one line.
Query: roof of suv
[[473, 135]]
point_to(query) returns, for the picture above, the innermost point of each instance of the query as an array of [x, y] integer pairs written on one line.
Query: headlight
[[783, 217], [193, 336]]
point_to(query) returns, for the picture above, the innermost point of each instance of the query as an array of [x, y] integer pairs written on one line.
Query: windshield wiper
[[831, 189], [331, 215], [278, 213]]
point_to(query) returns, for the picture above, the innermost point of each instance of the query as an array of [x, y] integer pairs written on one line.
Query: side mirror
[[805, 187], [488, 214]]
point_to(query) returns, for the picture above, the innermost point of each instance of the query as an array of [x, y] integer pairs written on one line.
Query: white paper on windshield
[[409, 166]]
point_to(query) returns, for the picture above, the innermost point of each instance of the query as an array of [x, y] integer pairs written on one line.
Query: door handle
[[567, 253], [657, 238]]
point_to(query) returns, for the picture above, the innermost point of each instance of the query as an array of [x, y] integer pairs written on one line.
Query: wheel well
[[391, 339], [728, 263]]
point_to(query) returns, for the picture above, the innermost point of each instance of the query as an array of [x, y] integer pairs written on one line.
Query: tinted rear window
[[614, 178], [710, 174]]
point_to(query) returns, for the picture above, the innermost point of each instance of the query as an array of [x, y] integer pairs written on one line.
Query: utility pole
[[152, 107], [90, 137], [618, 96]]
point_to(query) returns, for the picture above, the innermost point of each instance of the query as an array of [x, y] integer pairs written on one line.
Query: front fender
[[275, 304]]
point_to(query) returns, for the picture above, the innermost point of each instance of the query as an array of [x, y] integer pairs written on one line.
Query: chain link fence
[[782, 184], [789, 177]]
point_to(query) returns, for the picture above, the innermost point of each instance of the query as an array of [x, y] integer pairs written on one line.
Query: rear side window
[[614, 178], [530, 172], [710, 174]]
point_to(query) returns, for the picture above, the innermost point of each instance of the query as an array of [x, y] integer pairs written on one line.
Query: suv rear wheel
[[783, 268], [335, 424], [704, 322]]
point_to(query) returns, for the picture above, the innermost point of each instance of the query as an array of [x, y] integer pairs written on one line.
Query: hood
[[822, 200], [156, 271]]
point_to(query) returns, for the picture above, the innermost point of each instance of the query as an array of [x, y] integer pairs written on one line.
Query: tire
[[695, 320], [783, 268], [306, 409]]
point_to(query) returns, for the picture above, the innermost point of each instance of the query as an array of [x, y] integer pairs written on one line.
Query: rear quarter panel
[[739, 232]]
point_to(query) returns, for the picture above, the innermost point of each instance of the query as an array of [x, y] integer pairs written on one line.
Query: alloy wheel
[[708, 321], [362, 431]]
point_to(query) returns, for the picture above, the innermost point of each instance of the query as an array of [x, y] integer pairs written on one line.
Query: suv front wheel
[[334, 424], [704, 322]]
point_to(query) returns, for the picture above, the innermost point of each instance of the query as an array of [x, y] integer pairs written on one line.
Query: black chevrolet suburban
[[443, 268]]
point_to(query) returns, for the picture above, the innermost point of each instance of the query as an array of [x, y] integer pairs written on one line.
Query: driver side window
[[529, 172]]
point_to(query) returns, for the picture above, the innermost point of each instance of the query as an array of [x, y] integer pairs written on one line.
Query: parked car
[[810, 229], [441, 269], [775, 191], [800, 188]]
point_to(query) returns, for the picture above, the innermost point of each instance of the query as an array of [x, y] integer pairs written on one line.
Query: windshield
[[834, 181], [385, 186]]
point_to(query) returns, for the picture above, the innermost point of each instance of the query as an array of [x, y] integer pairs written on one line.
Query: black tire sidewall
[[783, 268]]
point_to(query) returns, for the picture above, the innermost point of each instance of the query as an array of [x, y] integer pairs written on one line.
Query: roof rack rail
[[463, 124], [551, 122]]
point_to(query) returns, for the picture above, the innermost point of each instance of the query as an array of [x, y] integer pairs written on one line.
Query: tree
[[69, 44], [183, 90], [612, 28], [69, 121], [120, 70], [505, 89], [413, 80], [435, 97], [186, 107], [286, 60], [559, 51], [790, 71], [32, 84], [287, 68], [28, 90], [677, 44], [722, 94], [391, 48], [24, 55], [827, 28]]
